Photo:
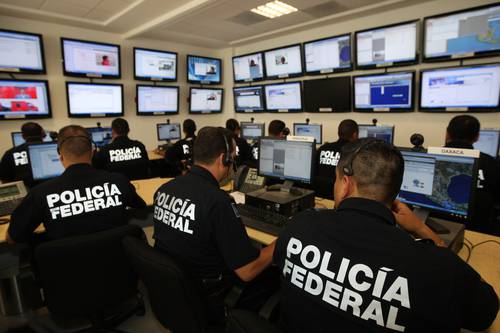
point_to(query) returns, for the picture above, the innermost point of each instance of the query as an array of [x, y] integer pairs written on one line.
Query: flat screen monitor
[[157, 100], [252, 131], [23, 99], [283, 62], [328, 95], [385, 133], [284, 97], [17, 138], [488, 142], [44, 161], [167, 132], [384, 92], [94, 99], [393, 45], [90, 59], [205, 100], [328, 55], [471, 88], [101, 136], [249, 99], [21, 52], [286, 160], [311, 130], [438, 182], [248, 68], [204, 70], [155, 65], [463, 34]]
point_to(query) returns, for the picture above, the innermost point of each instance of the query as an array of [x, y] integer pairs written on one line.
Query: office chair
[[241, 321], [89, 277]]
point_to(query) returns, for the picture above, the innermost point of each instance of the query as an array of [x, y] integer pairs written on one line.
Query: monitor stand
[[286, 187], [423, 214]]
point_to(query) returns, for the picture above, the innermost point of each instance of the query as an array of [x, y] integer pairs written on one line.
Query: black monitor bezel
[[200, 81], [392, 63], [251, 122], [444, 109], [480, 54], [250, 80], [285, 110], [390, 110], [205, 113], [158, 131], [23, 117], [91, 75], [288, 76], [42, 52], [31, 165], [250, 111], [335, 70], [387, 126], [155, 79], [88, 115], [305, 83], [155, 113], [308, 124]]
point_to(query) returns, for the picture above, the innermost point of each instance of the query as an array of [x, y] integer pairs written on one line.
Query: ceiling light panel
[[274, 9]]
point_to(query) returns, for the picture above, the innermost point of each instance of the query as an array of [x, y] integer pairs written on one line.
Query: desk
[[154, 156], [146, 188]]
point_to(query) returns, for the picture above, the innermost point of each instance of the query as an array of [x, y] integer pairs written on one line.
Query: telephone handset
[[247, 180]]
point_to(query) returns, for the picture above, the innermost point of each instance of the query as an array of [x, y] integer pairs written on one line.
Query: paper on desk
[[239, 197]]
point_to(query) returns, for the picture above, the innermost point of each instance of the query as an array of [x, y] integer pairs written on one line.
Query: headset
[[348, 168], [60, 143], [227, 158]]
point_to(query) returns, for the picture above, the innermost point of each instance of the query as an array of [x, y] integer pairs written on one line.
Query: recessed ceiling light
[[274, 9]]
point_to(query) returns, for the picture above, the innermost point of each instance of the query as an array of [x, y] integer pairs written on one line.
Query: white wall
[[432, 126], [142, 128]]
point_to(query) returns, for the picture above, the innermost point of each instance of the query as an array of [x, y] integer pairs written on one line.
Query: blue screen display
[[204, 70], [393, 91]]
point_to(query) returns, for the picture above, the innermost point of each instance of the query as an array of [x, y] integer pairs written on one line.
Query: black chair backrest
[[87, 275], [174, 299]]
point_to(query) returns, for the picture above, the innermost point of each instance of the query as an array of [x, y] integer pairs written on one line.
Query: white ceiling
[[209, 23]]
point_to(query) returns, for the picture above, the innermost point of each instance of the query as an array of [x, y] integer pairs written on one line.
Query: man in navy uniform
[[179, 155]]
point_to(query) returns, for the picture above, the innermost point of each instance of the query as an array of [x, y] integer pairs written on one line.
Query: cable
[[471, 248], [470, 243], [469, 252]]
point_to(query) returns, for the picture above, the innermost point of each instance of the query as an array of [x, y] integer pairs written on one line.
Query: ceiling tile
[[83, 3], [113, 6], [34, 4], [99, 15], [62, 7]]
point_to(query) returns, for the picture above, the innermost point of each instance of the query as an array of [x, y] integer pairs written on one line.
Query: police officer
[[123, 155], [328, 156], [462, 132], [15, 165], [80, 201], [355, 270], [243, 149], [196, 224], [179, 155]]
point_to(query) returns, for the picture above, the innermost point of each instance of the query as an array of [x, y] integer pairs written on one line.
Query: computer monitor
[[167, 132], [94, 99], [384, 92], [283, 62], [328, 55], [252, 131], [488, 142], [204, 70], [385, 133], [44, 161], [21, 52], [286, 160], [24, 99], [284, 97], [392, 45], [155, 65], [17, 138], [249, 99], [462, 34], [205, 100], [469, 88], [248, 68], [439, 183], [157, 100], [328, 95], [311, 130], [101, 136], [90, 59]]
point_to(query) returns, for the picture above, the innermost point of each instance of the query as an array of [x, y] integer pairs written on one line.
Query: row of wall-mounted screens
[[469, 88], [463, 34]]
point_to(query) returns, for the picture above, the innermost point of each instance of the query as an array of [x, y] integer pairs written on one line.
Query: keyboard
[[7, 207], [262, 219]]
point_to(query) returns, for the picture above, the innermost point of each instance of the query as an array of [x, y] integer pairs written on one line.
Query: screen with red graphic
[[24, 99]]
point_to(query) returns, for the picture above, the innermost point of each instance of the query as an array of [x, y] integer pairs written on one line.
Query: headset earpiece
[[348, 169], [227, 159]]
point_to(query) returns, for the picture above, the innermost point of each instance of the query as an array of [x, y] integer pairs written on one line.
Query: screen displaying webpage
[[155, 64], [283, 62], [204, 69], [308, 130], [91, 58], [248, 68], [377, 132], [169, 131], [249, 98], [206, 100], [252, 130], [328, 54], [286, 96], [488, 142], [383, 91], [23, 98], [20, 51], [44, 161], [157, 99], [93, 99]]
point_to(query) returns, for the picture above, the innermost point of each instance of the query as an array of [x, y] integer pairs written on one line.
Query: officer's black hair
[[189, 127], [347, 128], [74, 140], [464, 128], [232, 125], [32, 132], [210, 143], [276, 127], [376, 166], [120, 126]]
